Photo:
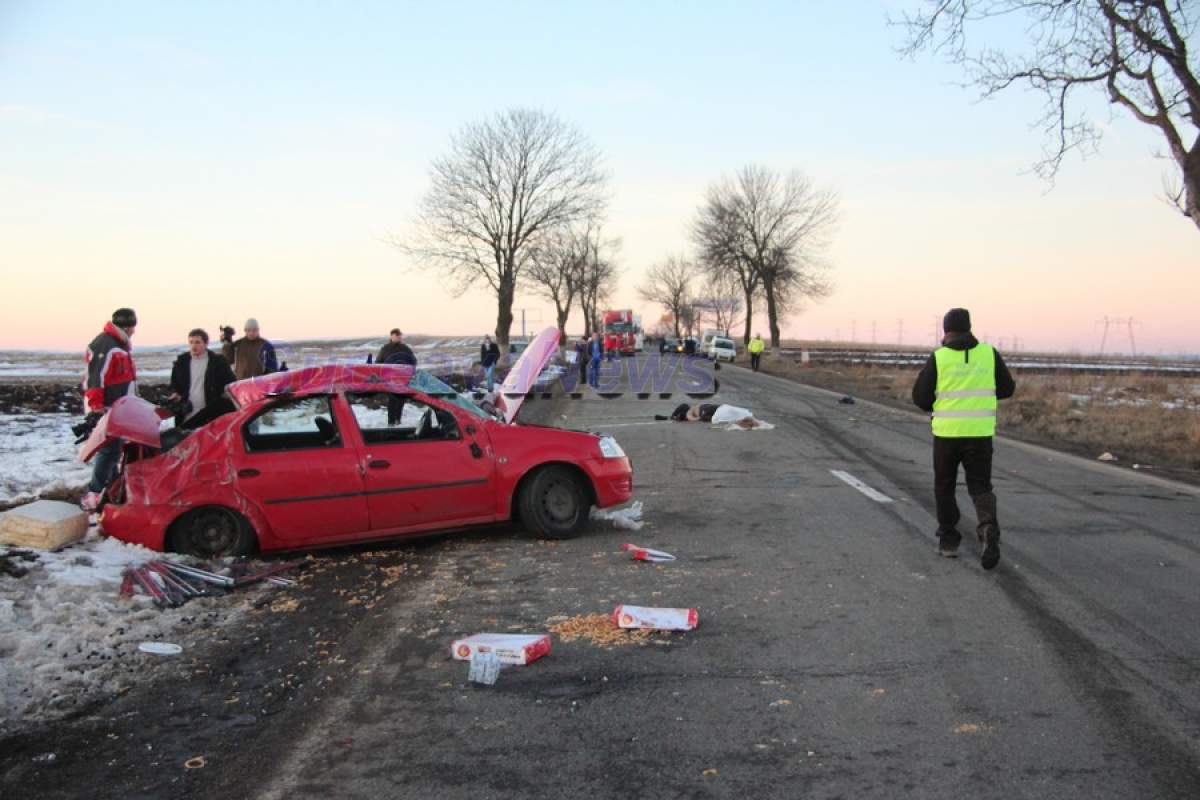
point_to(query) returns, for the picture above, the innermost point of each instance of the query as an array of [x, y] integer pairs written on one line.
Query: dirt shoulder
[[1147, 421]]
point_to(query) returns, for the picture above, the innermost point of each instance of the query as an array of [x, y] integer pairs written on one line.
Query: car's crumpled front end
[[612, 473]]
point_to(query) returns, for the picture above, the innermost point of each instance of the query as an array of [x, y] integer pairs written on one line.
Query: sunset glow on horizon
[[205, 164]]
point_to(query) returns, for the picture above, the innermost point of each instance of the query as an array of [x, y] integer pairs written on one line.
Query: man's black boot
[[988, 530], [948, 541]]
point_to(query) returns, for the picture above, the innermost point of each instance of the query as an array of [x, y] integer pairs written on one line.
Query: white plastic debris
[[628, 518], [1106, 457], [639, 553], [160, 648], [661, 619]]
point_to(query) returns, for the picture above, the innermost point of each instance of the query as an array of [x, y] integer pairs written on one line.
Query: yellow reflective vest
[[756, 345], [965, 399]]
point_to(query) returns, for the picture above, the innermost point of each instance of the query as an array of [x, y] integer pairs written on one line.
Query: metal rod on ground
[[180, 584], [211, 577]]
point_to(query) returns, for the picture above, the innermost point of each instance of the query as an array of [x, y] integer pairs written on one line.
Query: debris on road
[[846, 400], [659, 619], [171, 584], [599, 630], [43, 524], [628, 518], [1107, 457], [485, 668], [196, 762], [639, 553], [510, 648], [160, 648]]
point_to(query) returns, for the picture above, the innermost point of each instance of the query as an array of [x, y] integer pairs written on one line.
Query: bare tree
[[721, 300], [669, 284], [556, 271], [789, 280], [717, 235], [1135, 51], [507, 183], [770, 230], [597, 277]]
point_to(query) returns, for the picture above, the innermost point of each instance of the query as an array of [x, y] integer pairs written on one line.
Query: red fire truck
[[620, 332]]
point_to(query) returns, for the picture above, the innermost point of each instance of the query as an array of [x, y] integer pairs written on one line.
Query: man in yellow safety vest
[[961, 384], [755, 349]]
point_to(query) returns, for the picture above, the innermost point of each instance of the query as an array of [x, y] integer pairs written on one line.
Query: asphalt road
[[837, 655]]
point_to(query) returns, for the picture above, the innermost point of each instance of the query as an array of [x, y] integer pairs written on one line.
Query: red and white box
[[510, 648], [659, 619]]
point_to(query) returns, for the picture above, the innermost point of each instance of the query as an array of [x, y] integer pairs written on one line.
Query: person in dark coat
[[962, 395], [489, 356], [396, 351], [250, 356], [581, 358], [198, 381]]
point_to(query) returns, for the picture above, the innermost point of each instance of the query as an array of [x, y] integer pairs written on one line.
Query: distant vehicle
[[639, 335], [688, 345], [517, 345], [722, 349], [331, 455], [668, 345], [707, 337], [619, 332]]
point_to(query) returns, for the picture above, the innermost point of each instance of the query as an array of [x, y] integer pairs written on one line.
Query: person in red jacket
[[111, 375]]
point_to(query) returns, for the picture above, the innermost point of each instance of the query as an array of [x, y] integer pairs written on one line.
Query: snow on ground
[[38, 455], [64, 632], [68, 638]]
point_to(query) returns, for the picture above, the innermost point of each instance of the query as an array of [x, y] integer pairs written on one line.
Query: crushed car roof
[[323, 379]]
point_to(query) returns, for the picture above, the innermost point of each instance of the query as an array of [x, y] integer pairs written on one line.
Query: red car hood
[[130, 418], [525, 372]]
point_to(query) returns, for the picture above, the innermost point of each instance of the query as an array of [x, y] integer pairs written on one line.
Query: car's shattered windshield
[[423, 381]]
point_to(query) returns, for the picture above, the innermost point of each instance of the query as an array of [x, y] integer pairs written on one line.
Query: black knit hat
[[957, 320], [124, 318]]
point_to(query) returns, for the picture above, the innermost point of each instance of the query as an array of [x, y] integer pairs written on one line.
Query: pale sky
[[204, 162]]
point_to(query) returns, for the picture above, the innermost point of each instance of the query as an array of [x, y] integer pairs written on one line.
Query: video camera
[[84, 429]]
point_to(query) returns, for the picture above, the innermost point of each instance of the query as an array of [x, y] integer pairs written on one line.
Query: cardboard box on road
[[510, 648]]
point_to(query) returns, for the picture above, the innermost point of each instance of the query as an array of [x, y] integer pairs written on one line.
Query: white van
[[706, 339], [721, 349]]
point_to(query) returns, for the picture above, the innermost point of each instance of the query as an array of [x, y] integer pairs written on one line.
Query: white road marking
[[877, 496]]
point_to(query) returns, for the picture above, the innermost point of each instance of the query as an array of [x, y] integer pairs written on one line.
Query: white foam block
[[44, 524]]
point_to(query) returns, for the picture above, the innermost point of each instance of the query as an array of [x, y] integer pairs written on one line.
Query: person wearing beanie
[[960, 385], [109, 375], [251, 355]]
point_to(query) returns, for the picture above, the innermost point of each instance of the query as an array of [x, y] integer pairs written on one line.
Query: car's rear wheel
[[213, 533], [554, 503]]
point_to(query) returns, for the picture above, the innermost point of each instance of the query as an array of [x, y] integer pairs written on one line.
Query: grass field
[[1150, 421]]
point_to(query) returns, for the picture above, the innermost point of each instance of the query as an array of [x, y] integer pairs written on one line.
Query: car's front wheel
[[213, 533], [554, 503]]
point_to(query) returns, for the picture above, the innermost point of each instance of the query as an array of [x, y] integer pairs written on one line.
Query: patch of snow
[[628, 518], [67, 637], [38, 455]]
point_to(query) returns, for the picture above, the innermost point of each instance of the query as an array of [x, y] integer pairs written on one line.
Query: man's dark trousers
[[975, 455]]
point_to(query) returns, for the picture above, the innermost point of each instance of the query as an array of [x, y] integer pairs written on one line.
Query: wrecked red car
[[337, 454]]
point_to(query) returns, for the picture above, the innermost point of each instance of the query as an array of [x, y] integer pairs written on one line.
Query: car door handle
[[476, 450], [379, 463], [248, 472]]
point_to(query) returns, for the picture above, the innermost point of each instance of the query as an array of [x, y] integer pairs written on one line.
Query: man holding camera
[[198, 381], [111, 375], [251, 355]]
